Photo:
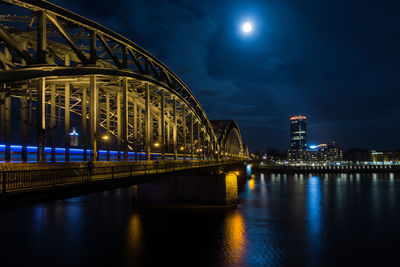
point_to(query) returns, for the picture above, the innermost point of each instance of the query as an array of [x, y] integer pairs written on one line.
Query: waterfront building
[[300, 153], [298, 132], [385, 157], [331, 152], [298, 138], [74, 137]]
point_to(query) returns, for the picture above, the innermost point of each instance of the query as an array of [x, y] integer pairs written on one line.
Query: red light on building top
[[298, 118]]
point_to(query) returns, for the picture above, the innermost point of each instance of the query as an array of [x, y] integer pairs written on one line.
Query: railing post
[[4, 182]]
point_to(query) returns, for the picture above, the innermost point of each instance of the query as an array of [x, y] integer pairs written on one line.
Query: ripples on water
[[282, 220]]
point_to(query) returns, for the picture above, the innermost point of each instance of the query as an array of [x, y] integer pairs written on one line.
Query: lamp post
[[106, 139]]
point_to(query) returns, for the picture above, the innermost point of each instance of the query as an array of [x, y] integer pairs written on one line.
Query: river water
[[282, 220]]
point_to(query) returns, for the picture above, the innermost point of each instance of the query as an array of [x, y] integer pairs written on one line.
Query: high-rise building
[[74, 137], [298, 132]]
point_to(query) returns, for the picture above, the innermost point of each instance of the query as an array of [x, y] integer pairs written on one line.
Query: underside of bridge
[[60, 71]]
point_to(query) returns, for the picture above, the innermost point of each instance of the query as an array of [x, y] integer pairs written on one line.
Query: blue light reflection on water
[[314, 206], [314, 217]]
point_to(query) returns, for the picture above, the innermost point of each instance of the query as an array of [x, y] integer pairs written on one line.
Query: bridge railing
[[29, 180]]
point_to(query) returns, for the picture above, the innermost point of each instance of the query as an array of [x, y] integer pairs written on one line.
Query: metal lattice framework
[[67, 70]]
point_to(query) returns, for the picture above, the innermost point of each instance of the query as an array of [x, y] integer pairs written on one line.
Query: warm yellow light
[[182, 148], [237, 173], [235, 238], [156, 144], [251, 184], [105, 137]]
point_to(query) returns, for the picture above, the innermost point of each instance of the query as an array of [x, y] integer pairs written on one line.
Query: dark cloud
[[335, 61]]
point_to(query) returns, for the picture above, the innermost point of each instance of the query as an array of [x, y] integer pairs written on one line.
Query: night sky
[[335, 61]]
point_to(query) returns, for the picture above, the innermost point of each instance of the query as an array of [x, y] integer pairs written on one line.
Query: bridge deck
[[19, 181]]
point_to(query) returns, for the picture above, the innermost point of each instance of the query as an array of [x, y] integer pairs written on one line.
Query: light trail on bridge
[[76, 154]]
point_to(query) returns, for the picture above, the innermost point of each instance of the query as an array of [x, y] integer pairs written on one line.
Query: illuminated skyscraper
[[298, 132]]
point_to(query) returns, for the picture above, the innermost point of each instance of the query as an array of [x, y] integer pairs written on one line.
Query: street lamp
[[105, 138]]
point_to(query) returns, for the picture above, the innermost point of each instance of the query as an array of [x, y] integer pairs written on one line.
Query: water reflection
[[235, 239], [134, 241], [38, 219], [314, 206], [282, 220], [314, 215], [252, 184]]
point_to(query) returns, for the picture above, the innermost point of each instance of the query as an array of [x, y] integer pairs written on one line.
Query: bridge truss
[[59, 70]]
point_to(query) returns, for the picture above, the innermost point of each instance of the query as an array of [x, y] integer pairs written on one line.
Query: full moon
[[247, 27]]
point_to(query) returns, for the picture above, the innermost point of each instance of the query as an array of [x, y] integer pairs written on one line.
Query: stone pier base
[[202, 189]]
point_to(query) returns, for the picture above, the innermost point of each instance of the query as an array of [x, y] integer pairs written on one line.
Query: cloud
[[301, 59]]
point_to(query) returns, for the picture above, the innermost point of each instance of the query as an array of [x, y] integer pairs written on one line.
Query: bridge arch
[[229, 138], [68, 71]]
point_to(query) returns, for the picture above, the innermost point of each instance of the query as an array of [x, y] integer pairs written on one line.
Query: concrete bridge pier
[[205, 188]]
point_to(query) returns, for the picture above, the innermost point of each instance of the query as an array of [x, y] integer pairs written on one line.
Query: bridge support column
[[41, 119], [191, 136], [125, 118], [147, 121], [184, 131], [7, 123], [2, 113], [119, 126], [24, 123], [135, 128], [93, 118], [162, 124], [59, 115], [53, 121], [168, 141], [174, 130], [108, 125], [84, 123], [141, 133], [67, 120], [198, 141], [209, 154]]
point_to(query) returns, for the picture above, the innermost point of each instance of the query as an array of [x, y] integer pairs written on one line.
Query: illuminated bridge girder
[[62, 70], [229, 139]]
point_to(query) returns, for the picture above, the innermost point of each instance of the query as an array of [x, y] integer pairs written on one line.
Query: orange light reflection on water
[[134, 241], [235, 239], [251, 184]]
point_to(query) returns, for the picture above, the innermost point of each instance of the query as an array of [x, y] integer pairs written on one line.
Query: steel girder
[[45, 41], [229, 138], [79, 38]]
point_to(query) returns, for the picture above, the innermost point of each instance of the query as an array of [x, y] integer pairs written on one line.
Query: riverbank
[[326, 169]]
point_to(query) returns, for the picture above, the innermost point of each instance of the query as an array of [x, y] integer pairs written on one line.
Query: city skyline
[[340, 72]]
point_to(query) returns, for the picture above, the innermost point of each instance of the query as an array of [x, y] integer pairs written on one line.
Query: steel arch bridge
[[59, 70]]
